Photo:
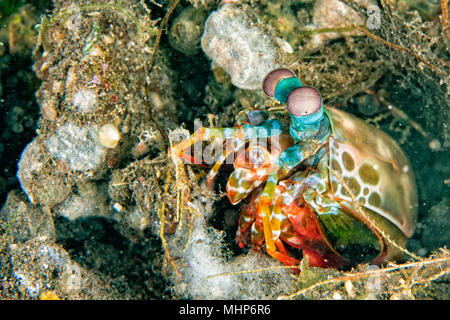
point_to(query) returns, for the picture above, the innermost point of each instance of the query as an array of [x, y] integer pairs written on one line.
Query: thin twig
[[431, 278], [394, 46], [307, 32], [161, 30], [365, 274], [388, 5], [231, 273], [152, 63], [399, 113], [161, 213]]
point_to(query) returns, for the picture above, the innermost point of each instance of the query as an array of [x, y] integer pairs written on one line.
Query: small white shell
[[284, 45], [109, 136]]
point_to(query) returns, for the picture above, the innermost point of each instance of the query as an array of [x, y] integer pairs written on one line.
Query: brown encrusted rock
[[39, 267], [24, 221], [91, 200], [40, 184]]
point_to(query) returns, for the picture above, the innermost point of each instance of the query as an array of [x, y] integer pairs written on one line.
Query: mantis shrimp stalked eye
[[273, 78], [320, 180], [304, 101]]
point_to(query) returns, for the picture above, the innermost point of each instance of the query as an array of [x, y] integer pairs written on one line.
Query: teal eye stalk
[[279, 83], [305, 106], [304, 103]]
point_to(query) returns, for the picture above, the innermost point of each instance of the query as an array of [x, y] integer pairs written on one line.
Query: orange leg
[[274, 245], [179, 149], [230, 146], [283, 257], [232, 136]]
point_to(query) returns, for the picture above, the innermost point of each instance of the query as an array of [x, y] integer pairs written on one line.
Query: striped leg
[[271, 223], [231, 146], [271, 217], [200, 134]]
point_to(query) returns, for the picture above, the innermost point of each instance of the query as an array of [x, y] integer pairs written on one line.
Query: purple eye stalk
[[304, 103], [273, 78]]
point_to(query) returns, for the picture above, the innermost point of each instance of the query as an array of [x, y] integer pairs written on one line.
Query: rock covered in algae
[[25, 221], [186, 30], [204, 3], [79, 147], [35, 263], [30, 259], [94, 60], [38, 180], [85, 101], [140, 190], [334, 14], [90, 201], [239, 46]]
